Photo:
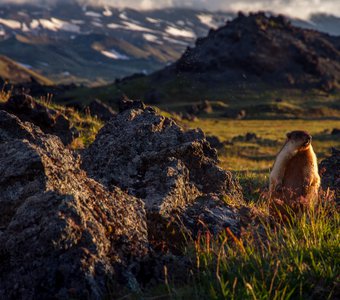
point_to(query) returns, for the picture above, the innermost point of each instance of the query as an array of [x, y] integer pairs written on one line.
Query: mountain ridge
[[94, 46], [252, 61]]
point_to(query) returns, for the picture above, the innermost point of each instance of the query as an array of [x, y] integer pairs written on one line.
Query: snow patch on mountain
[[123, 16], [114, 54], [34, 24], [152, 38], [107, 12], [207, 20], [185, 33], [56, 24], [97, 24], [154, 21], [114, 26], [92, 14], [25, 27], [135, 27], [10, 23]]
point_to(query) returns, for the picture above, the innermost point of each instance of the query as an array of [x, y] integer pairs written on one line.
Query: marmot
[[294, 179]]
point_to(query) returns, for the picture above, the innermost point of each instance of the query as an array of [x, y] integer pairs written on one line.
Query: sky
[[294, 8]]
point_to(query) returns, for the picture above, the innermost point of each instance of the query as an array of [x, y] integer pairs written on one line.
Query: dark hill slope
[[251, 60], [16, 73], [269, 49]]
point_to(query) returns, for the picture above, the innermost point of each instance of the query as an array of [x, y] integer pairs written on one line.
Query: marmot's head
[[300, 140]]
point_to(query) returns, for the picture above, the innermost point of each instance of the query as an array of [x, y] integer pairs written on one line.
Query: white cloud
[[295, 8]]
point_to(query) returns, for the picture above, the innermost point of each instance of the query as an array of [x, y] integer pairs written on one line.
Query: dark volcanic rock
[[49, 120], [210, 212], [197, 109], [214, 141], [270, 48], [335, 131], [235, 114], [62, 235], [151, 157], [330, 173], [101, 110]]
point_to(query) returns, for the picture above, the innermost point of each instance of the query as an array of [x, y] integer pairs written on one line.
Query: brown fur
[[296, 181]]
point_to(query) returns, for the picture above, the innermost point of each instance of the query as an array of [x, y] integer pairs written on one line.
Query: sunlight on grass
[[5, 94], [87, 125], [298, 260], [259, 155], [271, 260]]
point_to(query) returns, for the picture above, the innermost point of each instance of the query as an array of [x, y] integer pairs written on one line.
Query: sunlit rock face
[[69, 225], [170, 169], [49, 120], [62, 234]]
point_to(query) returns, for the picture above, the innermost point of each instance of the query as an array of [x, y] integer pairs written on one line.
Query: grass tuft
[[86, 124], [295, 260]]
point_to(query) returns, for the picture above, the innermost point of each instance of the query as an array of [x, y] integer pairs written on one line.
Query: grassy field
[[298, 260], [258, 155]]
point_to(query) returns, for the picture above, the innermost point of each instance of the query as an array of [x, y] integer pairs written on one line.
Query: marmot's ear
[[289, 135]]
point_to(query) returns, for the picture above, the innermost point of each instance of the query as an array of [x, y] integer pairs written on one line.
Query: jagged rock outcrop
[[49, 120], [62, 234], [330, 173], [214, 141], [100, 110], [267, 47], [250, 53], [151, 157]]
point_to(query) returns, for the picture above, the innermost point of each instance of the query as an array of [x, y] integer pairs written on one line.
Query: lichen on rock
[[153, 158], [62, 234]]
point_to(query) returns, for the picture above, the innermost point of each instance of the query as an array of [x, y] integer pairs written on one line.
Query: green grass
[[298, 260], [87, 125], [258, 156], [176, 93]]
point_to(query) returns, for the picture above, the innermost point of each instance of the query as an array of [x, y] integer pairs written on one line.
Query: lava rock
[[101, 110], [266, 47], [214, 141], [151, 157], [62, 234], [335, 131], [235, 114], [330, 173], [49, 120]]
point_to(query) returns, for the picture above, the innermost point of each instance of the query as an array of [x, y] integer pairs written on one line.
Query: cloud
[[294, 8]]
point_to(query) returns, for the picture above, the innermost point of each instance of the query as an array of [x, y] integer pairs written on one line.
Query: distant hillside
[[249, 55], [263, 48], [94, 45], [15, 73], [69, 43]]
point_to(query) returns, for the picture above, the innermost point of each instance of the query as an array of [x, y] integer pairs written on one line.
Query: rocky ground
[[72, 222], [118, 211], [330, 171]]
